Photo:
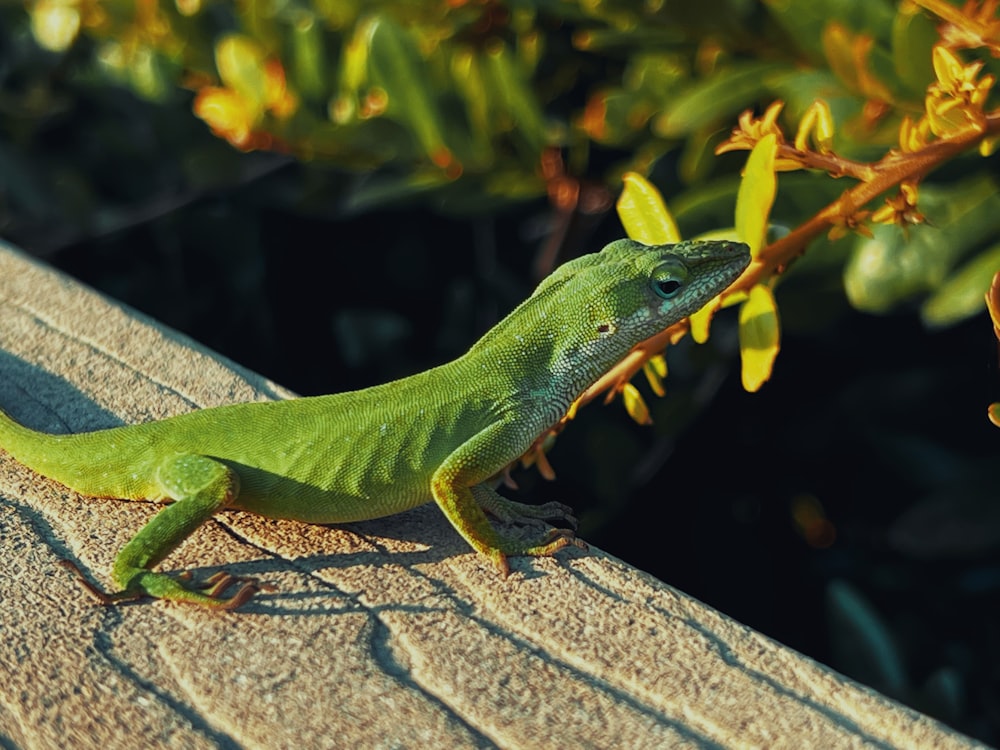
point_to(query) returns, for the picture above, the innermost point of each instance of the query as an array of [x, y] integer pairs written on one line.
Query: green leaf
[[863, 645], [644, 214], [403, 74], [519, 102], [466, 69], [804, 20], [961, 296], [716, 98], [896, 265], [914, 34], [309, 66], [756, 194]]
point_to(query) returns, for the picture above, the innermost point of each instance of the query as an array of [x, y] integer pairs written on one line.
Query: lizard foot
[[102, 596], [511, 511], [553, 541], [214, 586], [163, 586]]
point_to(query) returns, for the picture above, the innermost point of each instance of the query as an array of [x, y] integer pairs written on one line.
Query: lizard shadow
[[45, 401], [430, 538]]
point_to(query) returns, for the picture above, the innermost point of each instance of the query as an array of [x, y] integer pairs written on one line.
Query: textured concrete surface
[[388, 633]]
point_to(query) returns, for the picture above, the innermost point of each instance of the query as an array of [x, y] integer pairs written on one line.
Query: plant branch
[[894, 168]]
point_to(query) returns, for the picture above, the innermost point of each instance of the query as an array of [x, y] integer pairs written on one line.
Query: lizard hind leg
[[199, 486]]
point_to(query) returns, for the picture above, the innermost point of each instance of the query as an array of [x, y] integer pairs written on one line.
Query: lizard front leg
[[459, 482]]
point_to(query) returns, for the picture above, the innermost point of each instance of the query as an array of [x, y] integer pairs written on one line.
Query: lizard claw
[[216, 584], [102, 596], [523, 514], [566, 535], [559, 512], [178, 588]]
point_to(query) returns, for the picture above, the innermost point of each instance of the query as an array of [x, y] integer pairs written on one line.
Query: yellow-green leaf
[[756, 194], [309, 55], [655, 370], [701, 321], [994, 414], [55, 24], [635, 405], [644, 214], [240, 61], [760, 336], [993, 303]]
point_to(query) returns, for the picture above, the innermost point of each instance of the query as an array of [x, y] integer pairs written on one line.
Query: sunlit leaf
[[701, 322], [655, 370], [839, 54], [228, 114], [817, 124], [54, 24], [756, 194], [994, 414], [635, 405], [644, 214], [962, 294], [240, 61], [993, 303], [759, 337]]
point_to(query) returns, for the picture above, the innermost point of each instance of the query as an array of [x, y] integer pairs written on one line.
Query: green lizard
[[444, 434]]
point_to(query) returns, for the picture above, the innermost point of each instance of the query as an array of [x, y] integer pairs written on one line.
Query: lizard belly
[[353, 468]]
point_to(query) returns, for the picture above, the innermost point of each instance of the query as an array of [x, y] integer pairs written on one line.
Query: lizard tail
[[39, 451], [75, 460]]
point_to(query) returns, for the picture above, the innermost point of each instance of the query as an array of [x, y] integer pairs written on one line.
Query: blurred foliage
[[464, 103], [189, 153]]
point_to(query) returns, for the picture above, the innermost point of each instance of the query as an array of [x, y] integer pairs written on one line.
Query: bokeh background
[[337, 193]]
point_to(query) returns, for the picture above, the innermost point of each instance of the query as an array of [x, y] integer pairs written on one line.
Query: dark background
[[848, 510]]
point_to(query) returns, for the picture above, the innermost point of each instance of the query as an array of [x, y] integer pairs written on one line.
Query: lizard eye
[[668, 278]]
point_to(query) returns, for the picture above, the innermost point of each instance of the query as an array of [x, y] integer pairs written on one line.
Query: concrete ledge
[[389, 633]]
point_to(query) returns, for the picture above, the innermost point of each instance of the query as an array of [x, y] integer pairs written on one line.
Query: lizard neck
[[544, 357]]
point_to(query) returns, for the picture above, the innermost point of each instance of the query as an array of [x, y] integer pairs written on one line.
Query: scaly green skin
[[443, 434]]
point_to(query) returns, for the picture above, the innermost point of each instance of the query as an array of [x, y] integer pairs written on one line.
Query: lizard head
[[586, 315], [609, 301], [633, 290], [654, 286]]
